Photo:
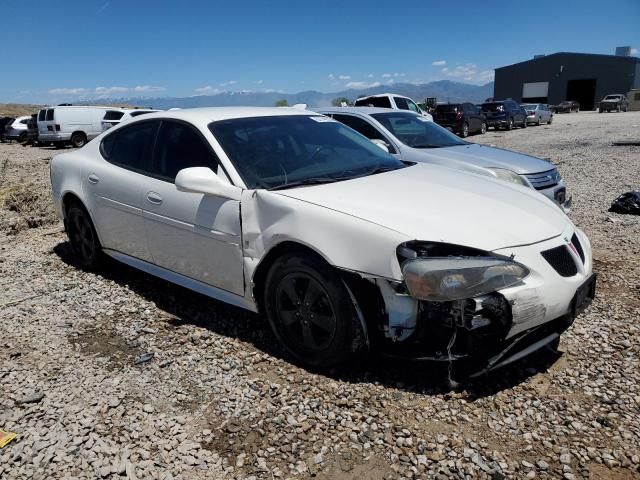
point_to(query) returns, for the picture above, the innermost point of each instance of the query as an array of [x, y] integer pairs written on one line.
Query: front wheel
[[465, 131], [483, 128], [309, 310], [83, 237], [510, 124]]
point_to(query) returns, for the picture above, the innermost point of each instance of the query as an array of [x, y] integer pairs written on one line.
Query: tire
[[309, 310], [83, 237], [550, 120], [483, 128], [78, 140], [539, 121], [510, 124], [464, 133], [525, 124], [618, 109], [58, 145], [22, 138]]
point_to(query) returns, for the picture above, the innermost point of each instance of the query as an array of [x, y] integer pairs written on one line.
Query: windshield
[[416, 131], [529, 106], [612, 97], [273, 152]]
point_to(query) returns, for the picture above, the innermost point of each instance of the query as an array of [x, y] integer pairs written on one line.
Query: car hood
[[434, 203], [483, 156]]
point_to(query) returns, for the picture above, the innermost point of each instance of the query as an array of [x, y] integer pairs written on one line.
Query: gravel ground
[[121, 375]]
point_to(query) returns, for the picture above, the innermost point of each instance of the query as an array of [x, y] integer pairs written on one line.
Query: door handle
[[154, 198], [93, 178]]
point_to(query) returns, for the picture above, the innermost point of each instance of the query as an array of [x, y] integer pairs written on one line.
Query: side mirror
[[204, 180], [381, 143]]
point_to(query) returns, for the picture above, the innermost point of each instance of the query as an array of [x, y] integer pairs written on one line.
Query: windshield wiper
[[306, 181], [380, 170], [426, 145]]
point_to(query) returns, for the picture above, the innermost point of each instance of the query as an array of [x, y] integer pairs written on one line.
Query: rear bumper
[[497, 122]]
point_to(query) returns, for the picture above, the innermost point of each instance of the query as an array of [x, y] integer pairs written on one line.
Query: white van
[[70, 124]]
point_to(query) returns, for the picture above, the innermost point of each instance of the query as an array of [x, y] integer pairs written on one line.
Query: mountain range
[[443, 90]]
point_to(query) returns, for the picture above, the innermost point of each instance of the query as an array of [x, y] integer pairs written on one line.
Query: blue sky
[[69, 50]]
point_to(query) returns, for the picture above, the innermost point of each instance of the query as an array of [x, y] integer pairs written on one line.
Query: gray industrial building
[[583, 77]]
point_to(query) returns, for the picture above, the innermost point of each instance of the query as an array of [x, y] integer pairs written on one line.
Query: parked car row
[[350, 229], [466, 118], [65, 124]]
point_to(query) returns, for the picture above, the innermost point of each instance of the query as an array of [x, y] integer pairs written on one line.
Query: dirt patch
[[344, 468], [31, 207], [601, 472], [114, 350]]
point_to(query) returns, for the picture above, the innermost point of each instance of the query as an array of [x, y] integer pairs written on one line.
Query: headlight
[[509, 176], [456, 278]]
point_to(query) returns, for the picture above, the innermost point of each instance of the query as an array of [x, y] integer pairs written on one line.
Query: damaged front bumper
[[493, 330]]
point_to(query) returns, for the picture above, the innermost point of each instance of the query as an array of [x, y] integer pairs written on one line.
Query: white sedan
[[343, 247]]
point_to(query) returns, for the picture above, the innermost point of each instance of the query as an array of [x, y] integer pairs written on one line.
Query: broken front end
[[484, 309]]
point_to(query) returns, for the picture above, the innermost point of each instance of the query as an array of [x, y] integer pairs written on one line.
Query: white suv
[[391, 100], [114, 116]]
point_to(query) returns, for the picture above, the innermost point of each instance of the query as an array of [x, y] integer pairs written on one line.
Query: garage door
[[535, 89]]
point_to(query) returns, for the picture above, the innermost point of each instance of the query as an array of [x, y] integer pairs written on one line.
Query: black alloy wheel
[[83, 237], [483, 128], [309, 309], [465, 130]]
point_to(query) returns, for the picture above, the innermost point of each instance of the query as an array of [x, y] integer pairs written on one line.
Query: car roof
[[361, 110], [212, 114], [383, 95]]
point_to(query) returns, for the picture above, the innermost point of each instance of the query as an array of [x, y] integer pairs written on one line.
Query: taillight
[[458, 115]]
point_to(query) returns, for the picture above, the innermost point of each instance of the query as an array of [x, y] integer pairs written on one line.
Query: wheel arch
[[359, 289], [68, 199]]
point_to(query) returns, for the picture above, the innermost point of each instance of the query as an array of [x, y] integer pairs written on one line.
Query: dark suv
[[506, 113], [461, 118], [4, 121]]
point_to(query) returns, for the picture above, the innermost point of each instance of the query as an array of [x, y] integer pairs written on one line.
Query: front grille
[[561, 260], [578, 246], [544, 179]]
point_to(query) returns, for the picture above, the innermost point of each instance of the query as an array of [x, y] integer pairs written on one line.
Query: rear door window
[[401, 103], [179, 146], [49, 115], [380, 102], [129, 147], [113, 115]]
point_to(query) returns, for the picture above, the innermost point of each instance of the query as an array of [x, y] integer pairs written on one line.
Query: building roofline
[[636, 59]]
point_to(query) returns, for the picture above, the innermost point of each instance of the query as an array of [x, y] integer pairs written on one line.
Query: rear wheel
[[550, 120], [83, 237], [22, 138], [539, 121], [309, 309], [465, 130], [78, 140]]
